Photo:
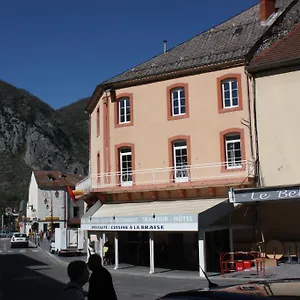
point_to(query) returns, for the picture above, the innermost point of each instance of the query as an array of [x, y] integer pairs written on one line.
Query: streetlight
[[48, 196]]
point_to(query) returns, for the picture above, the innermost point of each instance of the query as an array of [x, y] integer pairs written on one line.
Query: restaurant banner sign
[[264, 194], [142, 223]]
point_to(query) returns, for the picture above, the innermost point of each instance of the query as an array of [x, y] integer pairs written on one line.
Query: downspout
[[250, 114], [257, 171], [254, 138]]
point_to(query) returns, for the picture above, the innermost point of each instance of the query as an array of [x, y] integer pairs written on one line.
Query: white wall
[[32, 197], [278, 121]]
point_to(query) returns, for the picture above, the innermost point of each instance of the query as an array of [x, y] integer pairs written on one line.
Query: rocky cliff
[[34, 136]]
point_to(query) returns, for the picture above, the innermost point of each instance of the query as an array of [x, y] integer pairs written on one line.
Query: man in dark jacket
[[79, 276], [100, 284]]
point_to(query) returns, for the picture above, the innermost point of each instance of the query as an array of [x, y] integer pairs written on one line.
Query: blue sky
[[60, 50]]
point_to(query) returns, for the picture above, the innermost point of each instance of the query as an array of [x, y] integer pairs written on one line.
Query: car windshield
[[20, 235]]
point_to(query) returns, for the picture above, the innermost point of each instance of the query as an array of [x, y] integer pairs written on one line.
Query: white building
[[49, 201]]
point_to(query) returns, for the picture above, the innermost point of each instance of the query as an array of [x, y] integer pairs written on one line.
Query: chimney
[[165, 46], [267, 8]]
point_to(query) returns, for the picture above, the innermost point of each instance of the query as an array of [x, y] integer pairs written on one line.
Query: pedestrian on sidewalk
[[100, 284], [79, 275]]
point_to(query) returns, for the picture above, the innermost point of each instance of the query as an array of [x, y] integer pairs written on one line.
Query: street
[[31, 274]]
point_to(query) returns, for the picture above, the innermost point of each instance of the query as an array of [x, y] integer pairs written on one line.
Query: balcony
[[162, 178]]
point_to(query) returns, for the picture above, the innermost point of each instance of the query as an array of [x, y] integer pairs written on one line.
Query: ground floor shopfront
[[169, 234], [272, 213]]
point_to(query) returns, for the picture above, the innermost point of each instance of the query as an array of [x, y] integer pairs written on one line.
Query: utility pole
[[2, 222]]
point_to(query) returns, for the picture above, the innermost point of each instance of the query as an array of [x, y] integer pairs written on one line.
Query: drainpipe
[[257, 161], [258, 173], [249, 77]]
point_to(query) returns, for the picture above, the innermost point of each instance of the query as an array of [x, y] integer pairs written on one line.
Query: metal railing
[[170, 175]]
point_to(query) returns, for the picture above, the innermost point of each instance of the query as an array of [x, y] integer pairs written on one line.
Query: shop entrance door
[[216, 242]]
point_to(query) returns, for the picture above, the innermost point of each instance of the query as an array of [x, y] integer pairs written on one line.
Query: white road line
[[22, 251], [34, 250], [9, 251]]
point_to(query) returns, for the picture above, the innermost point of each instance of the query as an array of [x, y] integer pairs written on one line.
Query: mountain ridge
[[35, 136]]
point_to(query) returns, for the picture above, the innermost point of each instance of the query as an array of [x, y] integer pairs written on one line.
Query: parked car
[[19, 240], [282, 289], [3, 234], [52, 247]]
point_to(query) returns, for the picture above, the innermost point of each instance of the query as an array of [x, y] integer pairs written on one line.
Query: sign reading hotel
[[264, 194], [142, 223]]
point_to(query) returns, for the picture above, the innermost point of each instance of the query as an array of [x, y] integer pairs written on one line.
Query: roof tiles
[[55, 179], [222, 43]]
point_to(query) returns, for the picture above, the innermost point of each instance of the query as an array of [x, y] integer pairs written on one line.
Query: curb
[[54, 257], [164, 275], [50, 255]]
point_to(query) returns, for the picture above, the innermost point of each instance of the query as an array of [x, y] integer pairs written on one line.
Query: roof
[[55, 179], [226, 43], [283, 50]]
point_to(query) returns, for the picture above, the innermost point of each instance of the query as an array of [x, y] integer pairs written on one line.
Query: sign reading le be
[[267, 194]]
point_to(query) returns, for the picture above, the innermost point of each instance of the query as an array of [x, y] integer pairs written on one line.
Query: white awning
[[181, 215], [157, 207]]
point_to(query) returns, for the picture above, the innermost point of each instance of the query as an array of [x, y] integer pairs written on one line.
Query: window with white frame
[[180, 161], [125, 166], [124, 110], [178, 101], [233, 151], [230, 95]]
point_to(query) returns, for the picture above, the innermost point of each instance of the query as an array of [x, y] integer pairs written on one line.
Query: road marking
[[22, 251], [9, 251], [34, 250]]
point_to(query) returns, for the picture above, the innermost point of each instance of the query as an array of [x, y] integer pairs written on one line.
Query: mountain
[[34, 136]]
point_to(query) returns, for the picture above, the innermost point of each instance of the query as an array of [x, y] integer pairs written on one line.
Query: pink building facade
[[168, 139]]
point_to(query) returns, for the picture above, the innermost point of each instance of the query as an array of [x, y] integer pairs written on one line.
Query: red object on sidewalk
[[247, 264], [239, 266]]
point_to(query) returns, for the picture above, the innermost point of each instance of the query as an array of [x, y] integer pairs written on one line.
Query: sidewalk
[[282, 271]]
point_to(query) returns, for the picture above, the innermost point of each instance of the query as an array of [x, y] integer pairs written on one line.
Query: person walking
[[79, 275], [100, 284]]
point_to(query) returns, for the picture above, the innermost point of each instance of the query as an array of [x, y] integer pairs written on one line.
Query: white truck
[[68, 241]]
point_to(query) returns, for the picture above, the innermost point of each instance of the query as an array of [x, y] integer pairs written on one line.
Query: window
[[177, 101], [98, 166], [125, 159], [233, 151], [180, 163], [76, 212], [98, 121], [229, 93], [124, 110]]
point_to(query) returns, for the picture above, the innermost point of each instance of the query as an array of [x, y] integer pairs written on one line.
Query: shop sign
[[141, 227], [136, 220], [267, 194]]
